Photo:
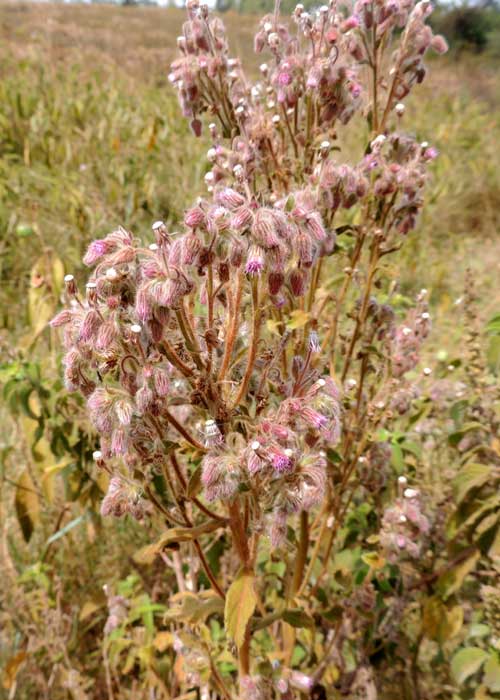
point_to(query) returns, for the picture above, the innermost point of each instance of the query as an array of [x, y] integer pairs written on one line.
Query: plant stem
[[232, 326], [252, 354], [302, 552]]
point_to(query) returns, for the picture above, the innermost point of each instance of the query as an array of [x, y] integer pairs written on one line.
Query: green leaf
[[478, 629], [492, 673], [27, 505], [241, 600], [23, 230], [60, 533], [469, 477], [466, 662], [493, 353], [397, 459], [493, 325], [298, 618], [457, 411]]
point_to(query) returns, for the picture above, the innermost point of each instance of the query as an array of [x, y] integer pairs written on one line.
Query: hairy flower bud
[[297, 282], [255, 261]]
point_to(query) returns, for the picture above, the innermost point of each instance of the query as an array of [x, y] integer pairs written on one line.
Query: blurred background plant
[[91, 136]]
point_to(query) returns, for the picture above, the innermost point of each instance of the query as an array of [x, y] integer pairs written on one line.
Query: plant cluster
[[255, 359]]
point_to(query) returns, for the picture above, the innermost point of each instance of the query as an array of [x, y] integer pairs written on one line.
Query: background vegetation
[[90, 137]]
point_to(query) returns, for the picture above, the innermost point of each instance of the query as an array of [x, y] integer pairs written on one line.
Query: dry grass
[[111, 62]]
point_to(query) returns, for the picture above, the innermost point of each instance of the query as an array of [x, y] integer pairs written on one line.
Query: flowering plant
[[254, 361]]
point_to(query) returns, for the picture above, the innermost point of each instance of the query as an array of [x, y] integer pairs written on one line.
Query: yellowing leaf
[[11, 669], [273, 326], [57, 274], [453, 622], [129, 662], [88, 609], [492, 673], [494, 550], [298, 618], [452, 580], [241, 600], [147, 554], [194, 607], [163, 640], [27, 504], [194, 483], [439, 622], [470, 476], [374, 560], [298, 319], [49, 475]]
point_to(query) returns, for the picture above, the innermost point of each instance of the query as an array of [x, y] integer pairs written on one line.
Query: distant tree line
[[470, 26], [467, 26]]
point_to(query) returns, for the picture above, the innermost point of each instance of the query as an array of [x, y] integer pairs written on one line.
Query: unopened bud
[[410, 493], [274, 40], [91, 289], [378, 141], [325, 148], [314, 344], [238, 171], [213, 435], [70, 283], [111, 274]]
